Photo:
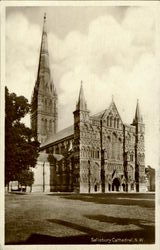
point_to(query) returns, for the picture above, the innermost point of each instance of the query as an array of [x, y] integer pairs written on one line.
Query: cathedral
[[97, 154]]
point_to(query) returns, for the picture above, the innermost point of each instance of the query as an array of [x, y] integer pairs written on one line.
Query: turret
[[138, 118], [81, 113], [81, 118], [139, 150], [81, 104]]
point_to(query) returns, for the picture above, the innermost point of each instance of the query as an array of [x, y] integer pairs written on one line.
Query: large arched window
[[111, 119], [119, 156], [107, 121], [62, 149], [57, 149], [114, 145], [108, 146], [114, 122], [118, 123]]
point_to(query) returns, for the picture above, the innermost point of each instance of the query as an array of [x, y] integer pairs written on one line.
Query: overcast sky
[[112, 49]]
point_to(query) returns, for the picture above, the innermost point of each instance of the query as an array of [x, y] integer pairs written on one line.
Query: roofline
[[56, 142]]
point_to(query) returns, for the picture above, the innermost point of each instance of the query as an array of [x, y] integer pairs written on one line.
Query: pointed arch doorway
[[115, 184]]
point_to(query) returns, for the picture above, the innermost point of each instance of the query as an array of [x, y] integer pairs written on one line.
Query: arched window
[[50, 125], [119, 153], [97, 154], [114, 122], [57, 149], [82, 152], [114, 145], [131, 157], [118, 123], [62, 149], [107, 121], [111, 121], [109, 147]]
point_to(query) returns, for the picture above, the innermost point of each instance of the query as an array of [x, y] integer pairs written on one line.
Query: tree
[[21, 145], [26, 178]]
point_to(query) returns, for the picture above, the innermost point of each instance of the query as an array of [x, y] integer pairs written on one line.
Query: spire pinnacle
[[138, 117], [44, 69], [81, 105]]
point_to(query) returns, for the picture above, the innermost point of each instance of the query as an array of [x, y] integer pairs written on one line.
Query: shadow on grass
[[118, 221], [142, 200], [146, 235]]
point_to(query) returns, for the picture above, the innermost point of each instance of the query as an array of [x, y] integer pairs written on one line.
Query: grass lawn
[[113, 218]]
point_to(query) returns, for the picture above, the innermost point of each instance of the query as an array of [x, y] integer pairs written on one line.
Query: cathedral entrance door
[[115, 184], [124, 187]]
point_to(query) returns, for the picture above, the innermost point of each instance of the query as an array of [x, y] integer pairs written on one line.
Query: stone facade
[[99, 153]]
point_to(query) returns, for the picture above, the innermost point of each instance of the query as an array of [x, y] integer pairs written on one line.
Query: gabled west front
[[98, 153]]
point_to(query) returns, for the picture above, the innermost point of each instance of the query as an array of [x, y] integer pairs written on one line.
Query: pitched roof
[[98, 115], [104, 113], [59, 136]]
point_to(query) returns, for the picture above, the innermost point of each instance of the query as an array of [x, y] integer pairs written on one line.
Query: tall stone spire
[[138, 117], [43, 68], [81, 105], [44, 114]]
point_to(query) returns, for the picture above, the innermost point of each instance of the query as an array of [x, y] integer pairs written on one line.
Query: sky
[[111, 49]]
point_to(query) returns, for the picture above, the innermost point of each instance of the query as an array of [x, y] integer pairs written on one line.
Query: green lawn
[[80, 218]]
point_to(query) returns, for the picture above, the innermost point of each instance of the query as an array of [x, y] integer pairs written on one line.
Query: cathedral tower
[[44, 116], [81, 119], [139, 150]]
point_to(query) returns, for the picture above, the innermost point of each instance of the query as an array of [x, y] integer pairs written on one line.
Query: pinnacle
[[44, 75], [138, 117], [81, 105]]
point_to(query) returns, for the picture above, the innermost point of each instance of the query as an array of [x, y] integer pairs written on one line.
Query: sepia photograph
[[81, 114]]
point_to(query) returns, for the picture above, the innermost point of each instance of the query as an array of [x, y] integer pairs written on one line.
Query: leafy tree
[[21, 145], [26, 178]]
